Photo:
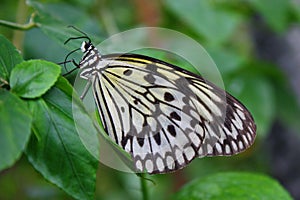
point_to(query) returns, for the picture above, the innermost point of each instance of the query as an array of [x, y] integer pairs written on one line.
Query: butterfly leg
[[69, 61], [86, 89]]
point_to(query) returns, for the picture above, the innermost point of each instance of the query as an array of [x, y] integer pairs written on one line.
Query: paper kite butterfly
[[161, 114]]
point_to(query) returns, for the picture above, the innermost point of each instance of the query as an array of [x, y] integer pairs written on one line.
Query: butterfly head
[[86, 46]]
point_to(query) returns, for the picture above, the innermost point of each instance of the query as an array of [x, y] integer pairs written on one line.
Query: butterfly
[[162, 115]]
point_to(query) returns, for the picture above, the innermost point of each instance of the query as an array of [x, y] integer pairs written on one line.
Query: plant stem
[[3, 82], [106, 17], [144, 188], [31, 24]]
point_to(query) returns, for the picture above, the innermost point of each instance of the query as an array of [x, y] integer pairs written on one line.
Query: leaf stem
[[144, 188], [31, 24], [3, 82]]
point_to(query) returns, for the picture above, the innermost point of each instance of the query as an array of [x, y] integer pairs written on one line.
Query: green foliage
[[31, 79], [215, 25], [14, 133], [9, 57], [274, 12], [54, 20], [36, 115], [235, 186], [56, 145], [260, 100], [40, 102], [220, 27]]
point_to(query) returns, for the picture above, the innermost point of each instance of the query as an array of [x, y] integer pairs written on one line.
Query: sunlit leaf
[[31, 79], [274, 12], [233, 186], [212, 23]]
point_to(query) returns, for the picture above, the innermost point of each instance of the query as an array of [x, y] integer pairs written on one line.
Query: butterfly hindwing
[[165, 116]]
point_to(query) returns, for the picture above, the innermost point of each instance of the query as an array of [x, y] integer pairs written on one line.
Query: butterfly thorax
[[90, 60]]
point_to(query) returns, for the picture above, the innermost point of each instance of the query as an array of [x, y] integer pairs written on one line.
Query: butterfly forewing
[[162, 115]]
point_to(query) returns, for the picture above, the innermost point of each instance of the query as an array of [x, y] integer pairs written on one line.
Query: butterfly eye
[[85, 46]]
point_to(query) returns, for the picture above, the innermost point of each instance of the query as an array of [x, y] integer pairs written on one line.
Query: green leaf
[[15, 123], [57, 151], [257, 94], [54, 19], [227, 61], [214, 24], [274, 12], [287, 104], [117, 158], [296, 9], [233, 186], [31, 79], [9, 57]]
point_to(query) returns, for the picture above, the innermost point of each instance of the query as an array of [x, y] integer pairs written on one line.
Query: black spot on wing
[[157, 138], [141, 141], [149, 78], [127, 72], [168, 97], [125, 140], [193, 123], [151, 67], [122, 109], [175, 116], [171, 130]]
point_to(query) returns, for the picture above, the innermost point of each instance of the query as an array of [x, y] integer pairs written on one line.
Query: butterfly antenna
[[66, 58], [68, 61], [84, 35]]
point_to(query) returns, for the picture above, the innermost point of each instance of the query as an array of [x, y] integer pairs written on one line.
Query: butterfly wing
[[165, 116]]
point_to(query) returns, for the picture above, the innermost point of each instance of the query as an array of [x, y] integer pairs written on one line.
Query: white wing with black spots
[[162, 115]]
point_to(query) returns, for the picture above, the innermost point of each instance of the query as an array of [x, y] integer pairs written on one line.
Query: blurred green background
[[255, 44]]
